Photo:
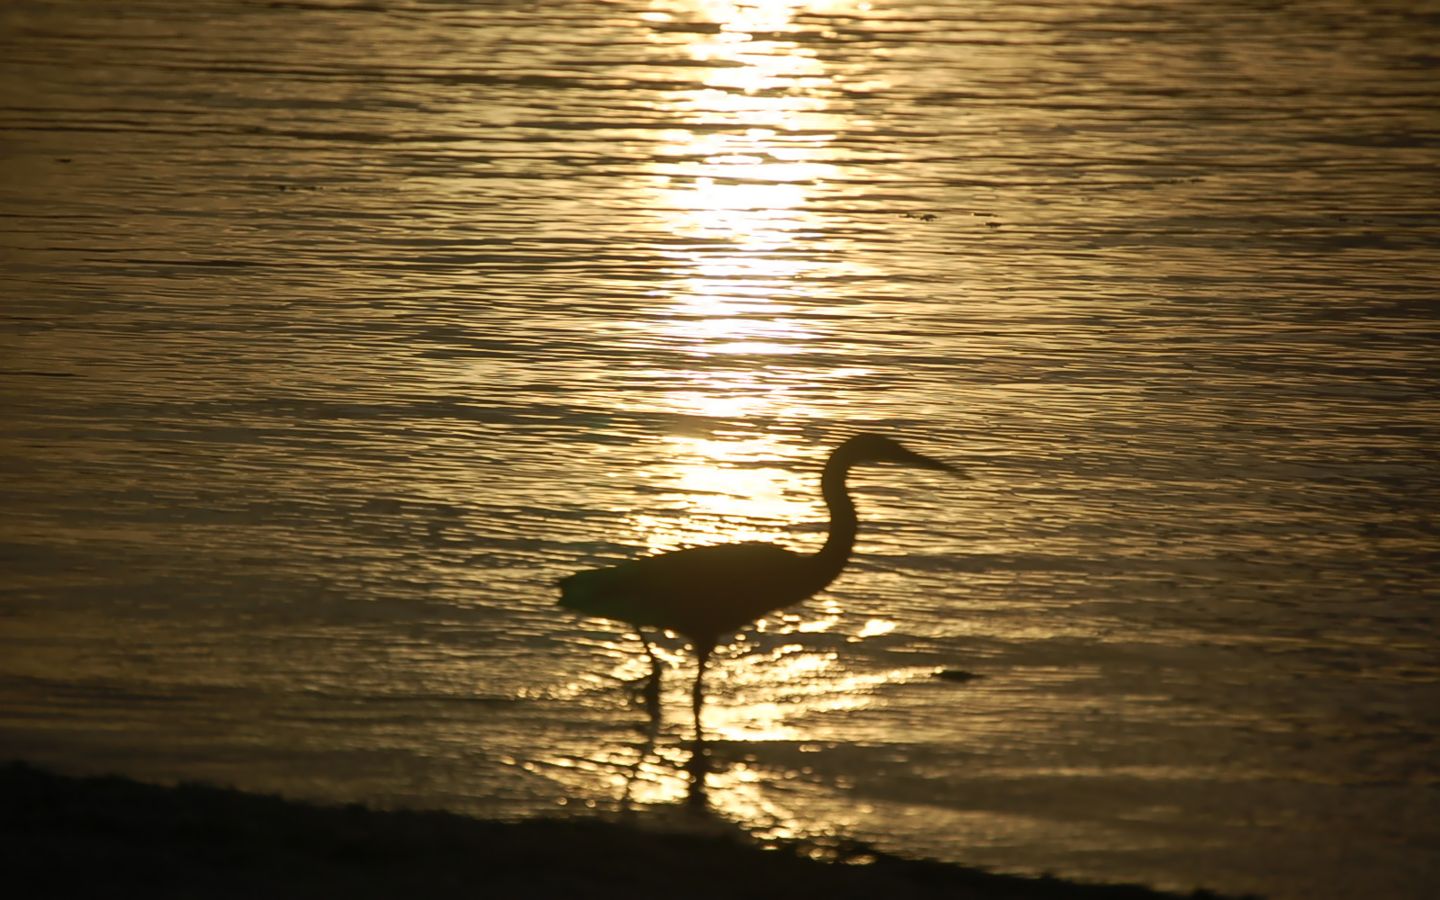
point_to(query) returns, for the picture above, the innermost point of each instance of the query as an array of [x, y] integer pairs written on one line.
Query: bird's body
[[704, 593], [698, 592]]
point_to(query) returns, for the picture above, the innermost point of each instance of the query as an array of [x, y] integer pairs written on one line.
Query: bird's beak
[[921, 461]]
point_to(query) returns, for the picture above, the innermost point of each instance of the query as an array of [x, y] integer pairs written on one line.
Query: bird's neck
[[843, 523]]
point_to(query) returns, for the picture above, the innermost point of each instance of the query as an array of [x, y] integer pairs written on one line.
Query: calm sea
[[332, 333]]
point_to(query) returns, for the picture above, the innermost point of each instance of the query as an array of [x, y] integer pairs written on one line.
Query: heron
[[703, 593]]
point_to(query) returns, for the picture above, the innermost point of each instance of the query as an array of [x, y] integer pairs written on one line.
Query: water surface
[[332, 334]]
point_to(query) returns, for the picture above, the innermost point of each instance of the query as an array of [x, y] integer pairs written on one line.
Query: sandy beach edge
[[113, 836]]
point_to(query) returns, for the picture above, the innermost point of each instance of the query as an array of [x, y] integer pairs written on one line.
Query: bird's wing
[[698, 591]]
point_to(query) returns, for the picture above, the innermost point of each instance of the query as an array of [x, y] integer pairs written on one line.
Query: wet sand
[[116, 837]]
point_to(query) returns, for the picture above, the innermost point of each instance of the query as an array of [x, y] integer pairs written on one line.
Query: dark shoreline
[[111, 836]]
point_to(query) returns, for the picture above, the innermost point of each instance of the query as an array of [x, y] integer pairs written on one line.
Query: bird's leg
[[652, 687], [699, 765], [702, 656]]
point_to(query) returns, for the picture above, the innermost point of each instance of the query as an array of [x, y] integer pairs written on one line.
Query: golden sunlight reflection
[[744, 793], [753, 142], [715, 490], [735, 182], [767, 696], [875, 628]]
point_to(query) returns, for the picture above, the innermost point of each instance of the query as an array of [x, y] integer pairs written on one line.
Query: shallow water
[[333, 334]]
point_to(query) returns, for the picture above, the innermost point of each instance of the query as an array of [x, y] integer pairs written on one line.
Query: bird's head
[[863, 448]]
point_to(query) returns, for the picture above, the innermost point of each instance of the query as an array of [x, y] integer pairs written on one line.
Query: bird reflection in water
[[705, 593], [697, 764]]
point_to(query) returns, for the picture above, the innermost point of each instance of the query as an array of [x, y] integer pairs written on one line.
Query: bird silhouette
[[703, 593]]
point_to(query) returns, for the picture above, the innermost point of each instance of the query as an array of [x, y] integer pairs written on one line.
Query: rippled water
[[333, 333]]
